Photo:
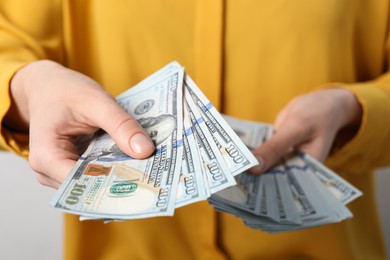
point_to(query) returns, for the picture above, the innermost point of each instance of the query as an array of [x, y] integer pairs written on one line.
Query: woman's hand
[[59, 106], [312, 123]]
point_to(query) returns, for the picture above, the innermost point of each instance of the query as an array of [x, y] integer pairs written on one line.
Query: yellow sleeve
[[370, 148], [29, 30]]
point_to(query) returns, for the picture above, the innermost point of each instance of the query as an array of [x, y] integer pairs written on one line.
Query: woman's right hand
[[58, 106]]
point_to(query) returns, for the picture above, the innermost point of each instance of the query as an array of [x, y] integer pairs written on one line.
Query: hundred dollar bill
[[192, 187], [316, 206], [251, 133], [338, 187], [249, 193], [315, 189], [335, 209], [237, 156], [244, 195], [106, 183], [217, 173], [162, 72], [287, 212], [305, 205], [294, 194], [272, 203]]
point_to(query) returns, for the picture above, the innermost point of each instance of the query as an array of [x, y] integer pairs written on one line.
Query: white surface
[[31, 229], [383, 196]]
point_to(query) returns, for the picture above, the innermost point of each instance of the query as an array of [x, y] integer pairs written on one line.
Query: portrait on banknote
[[159, 128]]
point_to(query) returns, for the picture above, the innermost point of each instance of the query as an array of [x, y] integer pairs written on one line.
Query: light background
[[31, 229]]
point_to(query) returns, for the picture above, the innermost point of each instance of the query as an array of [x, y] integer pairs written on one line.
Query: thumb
[[270, 152], [126, 132]]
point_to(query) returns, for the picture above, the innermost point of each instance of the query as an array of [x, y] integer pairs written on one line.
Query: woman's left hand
[[311, 123]]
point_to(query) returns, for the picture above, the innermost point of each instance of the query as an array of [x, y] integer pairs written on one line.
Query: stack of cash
[[297, 193], [197, 154], [198, 157]]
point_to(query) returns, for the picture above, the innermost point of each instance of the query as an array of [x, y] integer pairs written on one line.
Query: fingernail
[[141, 144]]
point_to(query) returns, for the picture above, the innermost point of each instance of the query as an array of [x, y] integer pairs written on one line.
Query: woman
[[250, 58]]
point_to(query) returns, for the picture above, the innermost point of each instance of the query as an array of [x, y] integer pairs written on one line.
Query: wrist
[[16, 118], [20, 89], [352, 113], [352, 109]]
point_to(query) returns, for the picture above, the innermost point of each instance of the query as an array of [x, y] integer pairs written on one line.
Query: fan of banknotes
[[297, 193], [198, 157]]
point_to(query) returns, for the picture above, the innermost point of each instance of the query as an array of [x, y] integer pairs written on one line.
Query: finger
[[270, 152], [52, 157], [53, 167], [282, 116], [126, 132], [318, 148], [47, 181]]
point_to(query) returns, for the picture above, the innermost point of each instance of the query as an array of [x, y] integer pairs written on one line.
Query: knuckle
[[125, 125], [297, 119], [42, 179], [35, 163]]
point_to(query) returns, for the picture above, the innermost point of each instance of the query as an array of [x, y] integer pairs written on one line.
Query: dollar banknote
[[218, 175], [187, 166], [106, 183], [200, 155], [192, 187], [299, 192], [236, 155]]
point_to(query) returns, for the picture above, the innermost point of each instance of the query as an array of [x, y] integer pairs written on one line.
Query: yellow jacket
[[249, 57]]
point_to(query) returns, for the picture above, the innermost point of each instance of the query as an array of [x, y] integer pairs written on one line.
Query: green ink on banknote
[[123, 188]]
